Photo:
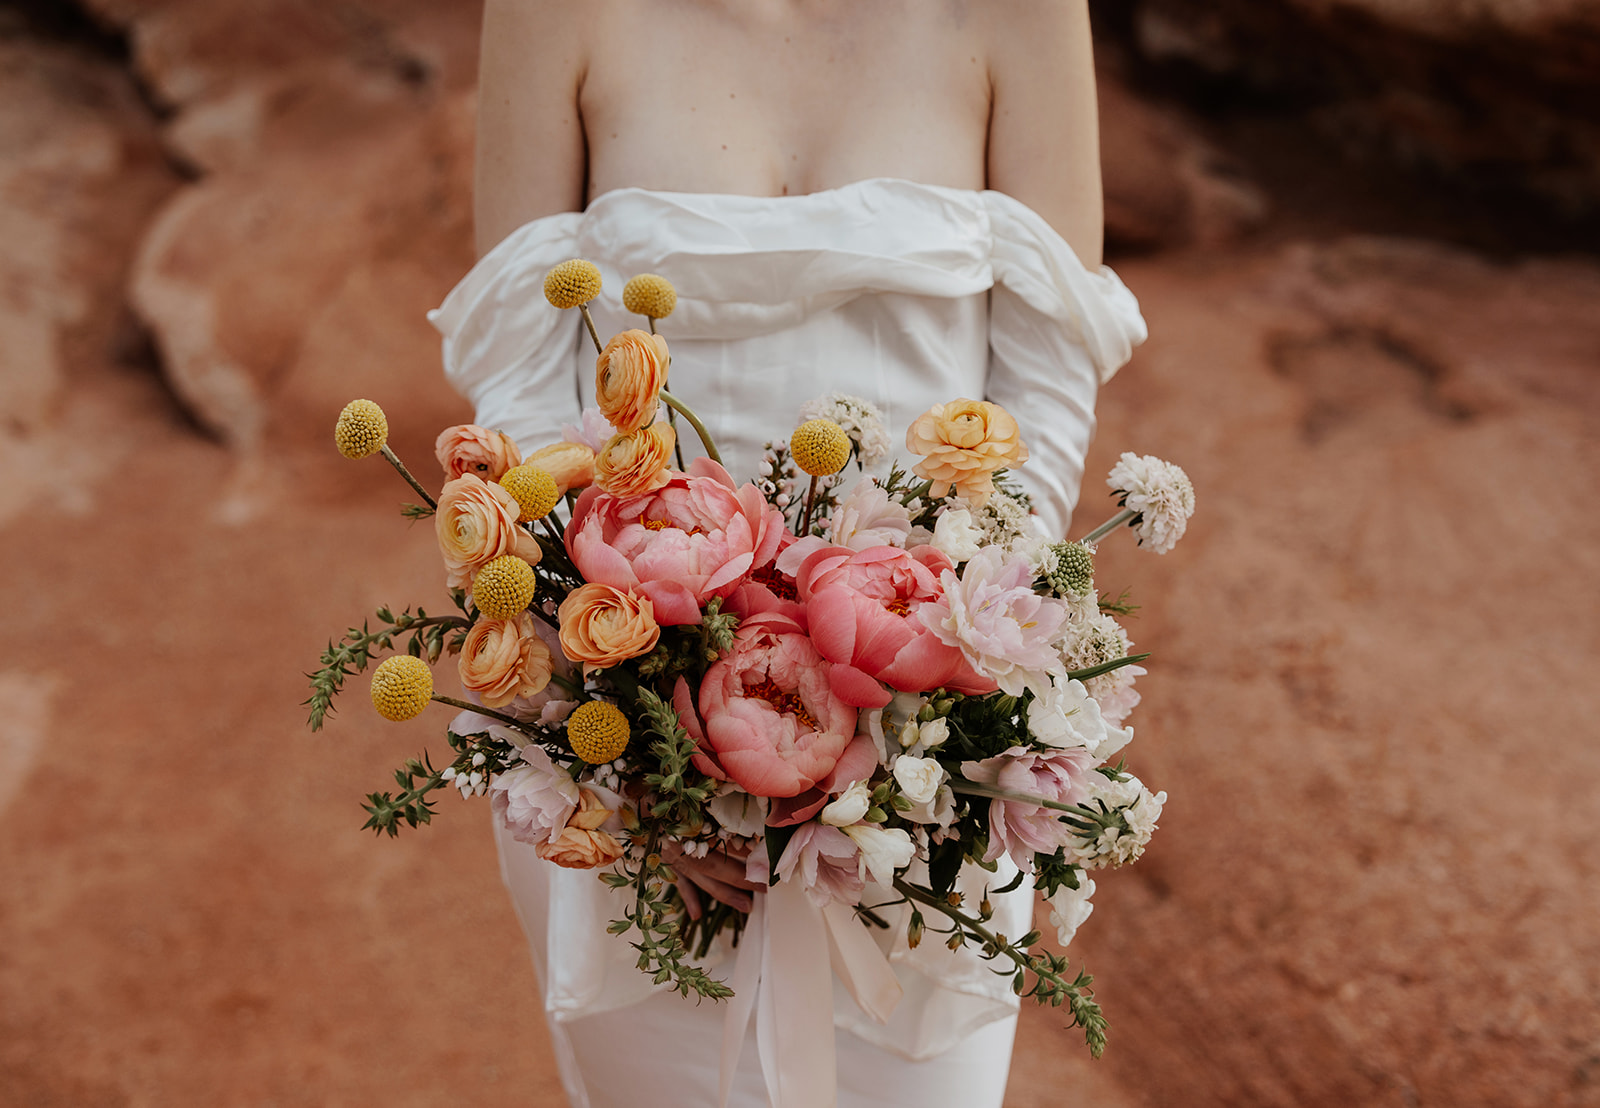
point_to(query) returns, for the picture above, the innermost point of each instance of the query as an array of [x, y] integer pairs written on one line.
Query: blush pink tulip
[[766, 717], [861, 607], [700, 536]]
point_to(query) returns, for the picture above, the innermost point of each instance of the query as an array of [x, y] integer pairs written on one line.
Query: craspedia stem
[[694, 421], [400, 468], [588, 321], [805, 516], [512, 721]]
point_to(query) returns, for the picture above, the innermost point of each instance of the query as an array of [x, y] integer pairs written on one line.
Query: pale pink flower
[[868, 517], [826, 862], [535, 799], [593, 430], [1003, 628], [766, 717], [1017, 827], [695, 538]]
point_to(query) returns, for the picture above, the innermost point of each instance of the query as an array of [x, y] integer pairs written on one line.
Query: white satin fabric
[[905, 294]]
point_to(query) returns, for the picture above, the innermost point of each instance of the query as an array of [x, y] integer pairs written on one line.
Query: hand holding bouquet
[[861, 688]]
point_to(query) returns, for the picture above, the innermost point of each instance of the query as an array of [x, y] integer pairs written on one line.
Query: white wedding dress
[[907, 295]]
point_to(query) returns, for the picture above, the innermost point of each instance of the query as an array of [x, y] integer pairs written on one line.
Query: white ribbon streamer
[[782, 976]]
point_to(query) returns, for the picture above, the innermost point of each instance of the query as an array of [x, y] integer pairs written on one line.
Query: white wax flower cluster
[[861, 420]]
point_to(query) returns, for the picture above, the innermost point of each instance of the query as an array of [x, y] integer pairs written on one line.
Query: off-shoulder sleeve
[[1057, 332], [505, 348]]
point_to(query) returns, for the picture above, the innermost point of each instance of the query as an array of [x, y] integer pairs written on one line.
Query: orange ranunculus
[[602, 626], [476, 522], [469, 448], [571, 464], [962, 443], [502, 659], [628, 376], [637, 462], [581, 844]]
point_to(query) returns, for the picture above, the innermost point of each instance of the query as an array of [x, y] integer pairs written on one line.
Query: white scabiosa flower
[[1160, 492], [861, 420], [1093, 638], [1133, 809], [1069, 908]]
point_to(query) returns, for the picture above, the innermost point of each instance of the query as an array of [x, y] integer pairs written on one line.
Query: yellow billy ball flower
[[820, 447], [597, 732], [649, 295], [362, 429], [401, 687], [504, 587], [572, 283], [535, 489]]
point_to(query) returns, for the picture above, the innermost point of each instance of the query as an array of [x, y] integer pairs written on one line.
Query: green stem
[[511, 721], [694, 421], [911, 892], [805, 516], [974, 788], [1108, 526], [400, 468]]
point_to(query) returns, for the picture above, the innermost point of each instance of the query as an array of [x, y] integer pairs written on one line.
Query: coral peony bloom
[[768, 719], [502, 659], [570, 464], [476, 522], [602, 626], [862, 608], [534, 799], [1021, 829], [469, 448], [1005, 629], [694, 538], [826, 862], [581, 844], [962, 443], [628, 376], [636, 462]]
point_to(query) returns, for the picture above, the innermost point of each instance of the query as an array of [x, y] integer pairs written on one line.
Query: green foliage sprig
[[680, 790], [385, 812], [352, 654], [662, 952]]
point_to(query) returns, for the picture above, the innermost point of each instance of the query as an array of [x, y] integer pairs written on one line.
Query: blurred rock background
[[1364, 233]]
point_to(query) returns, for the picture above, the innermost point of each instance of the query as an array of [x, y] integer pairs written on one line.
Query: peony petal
[[675, 603], [857, 688]]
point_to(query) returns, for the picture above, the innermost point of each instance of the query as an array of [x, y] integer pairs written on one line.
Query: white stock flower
[[849, 807], [861, 420], [1160, 492], [1069, 908], [867, 518], [956, 536], [883, 850], [919, 778], [1066, 716], [739, 813]]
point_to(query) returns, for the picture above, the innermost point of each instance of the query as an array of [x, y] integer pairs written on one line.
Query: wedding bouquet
[[858, 687]]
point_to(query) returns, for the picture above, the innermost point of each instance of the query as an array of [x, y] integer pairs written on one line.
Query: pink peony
[[767, 718], [857, 762], [1005, 629], [862, 608], [696, 538], [1021, 829], [826, 862]]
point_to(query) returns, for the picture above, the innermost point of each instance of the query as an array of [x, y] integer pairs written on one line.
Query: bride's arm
[[1044, 136], [531, 158]]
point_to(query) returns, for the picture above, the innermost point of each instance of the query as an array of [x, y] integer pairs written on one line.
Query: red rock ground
[[1371, 702]]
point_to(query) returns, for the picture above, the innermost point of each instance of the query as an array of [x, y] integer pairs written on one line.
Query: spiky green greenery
[[385, 812], [352, 654]]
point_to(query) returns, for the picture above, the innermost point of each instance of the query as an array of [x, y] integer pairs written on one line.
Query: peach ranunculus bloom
[[628, 376], [696, 537], [636, 462], [571, 464], [962, 443], [476, 522], [602, 625], [469, 448], [502, 659], [582, 844], [766, 716]]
